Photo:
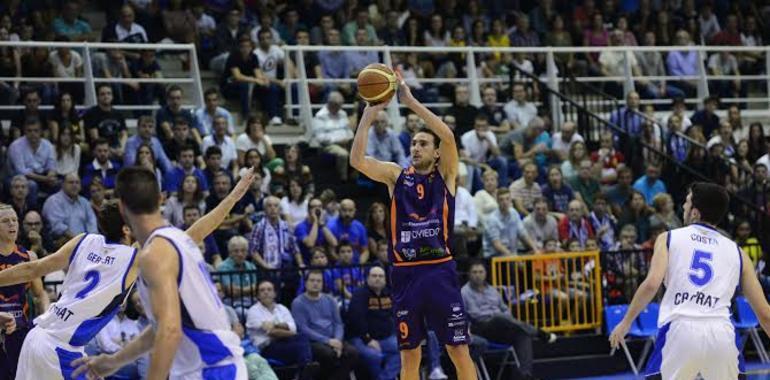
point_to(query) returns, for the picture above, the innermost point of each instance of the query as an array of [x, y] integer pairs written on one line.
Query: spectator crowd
[[302, 261]]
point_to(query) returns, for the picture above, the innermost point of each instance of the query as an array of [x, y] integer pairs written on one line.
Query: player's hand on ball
[[619, 334], [404, 92], [94, 367], [244, 184]]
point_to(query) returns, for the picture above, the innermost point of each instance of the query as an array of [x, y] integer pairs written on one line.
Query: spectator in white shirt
[[486, 198], [254, 137], [480, 149], [331, 128], [271, 56], [220, 139], [709, 25], [519, 111], [563, 139], [272, 329], [466, 220], [126, 30], [294, 204], [206, 114]]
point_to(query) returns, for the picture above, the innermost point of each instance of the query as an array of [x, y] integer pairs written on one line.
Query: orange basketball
[[376, 83]]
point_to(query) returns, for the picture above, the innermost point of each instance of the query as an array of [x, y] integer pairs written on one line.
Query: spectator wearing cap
[[384, 144], [563, 139], [519, 111], [166, 116], [706, 117], [144, 135], [650, 184], [479, 149], [211, 109], [225, 144], [331, 128], [67, 212], [33, 157], [70, 23], [498, 123], [575, 225], [629, 117], [103, 121]]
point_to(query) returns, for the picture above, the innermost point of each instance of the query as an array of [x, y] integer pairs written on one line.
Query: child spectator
[[347, 279]]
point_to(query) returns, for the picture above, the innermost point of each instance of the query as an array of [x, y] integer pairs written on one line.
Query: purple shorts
[[427, 297]]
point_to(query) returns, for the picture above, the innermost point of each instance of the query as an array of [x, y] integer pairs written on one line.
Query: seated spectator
[[318, 317], [677, 144], [357, 60], [294, 204], [371, 327], [706, 117], [226, 37], [97, 195], [680, 63], [466, 226], [68, 213], [272, 245], [525, 190], [628, 239], [242, 72], [314, 232], [612, 63], [65, 115], [103, 121], [465, 113], [113, 64], [185, 167], [541, 225], [183, 138], [188, 192], [147, 67], [636, 212], [608, 158], [480, 149], [254, 137], [206, 114], [678, 108], [556, 192], [383, 142], [603, 222], [725, 63], [210, 249], [253, 159], [575, 225], [376, 224], [270, 57], [102, 166], [266, 22], [664, 213], [519, 111], [485, 199], [33, 157], [331, 128], [229, 160], [292, 166], [530, 144], [67, 63], [213, 166], [167, 116], [724, 136], [347, 278], [272, 329], [571, 165], [231, 225], [19, 196], [240, 287], [115, 335], [503, 229], [34, 235], [125, 29], [746, 239], [361, 21], [144, 135], [618, 194], [498, 122], [346, 227], [145, 157], [320, 260], [629, 117], [31, 99], [651, 64], [491, 318], [70, 24], [650, 184], [413, 124], [67, 153], [586, 184], [563, 140]]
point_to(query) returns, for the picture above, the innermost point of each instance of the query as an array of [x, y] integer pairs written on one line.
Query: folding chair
[[509, 359], [613, 315], [647, 322], [746, 323]]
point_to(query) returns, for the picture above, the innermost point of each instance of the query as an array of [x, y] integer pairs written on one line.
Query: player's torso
[[13, 298], [95, 286], [704, 269], [208, 338], [422, 216]]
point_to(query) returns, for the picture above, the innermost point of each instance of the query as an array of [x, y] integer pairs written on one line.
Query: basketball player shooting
[[425, 288], [702, 269]]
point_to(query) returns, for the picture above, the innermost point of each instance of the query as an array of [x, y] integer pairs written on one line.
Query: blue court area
[[755, 371]]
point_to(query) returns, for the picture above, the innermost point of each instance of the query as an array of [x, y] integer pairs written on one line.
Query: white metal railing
[[550, 76], [89, 80]]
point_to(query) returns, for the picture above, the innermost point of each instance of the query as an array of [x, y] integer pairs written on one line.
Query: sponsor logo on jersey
[[402, 313], [409, 253]]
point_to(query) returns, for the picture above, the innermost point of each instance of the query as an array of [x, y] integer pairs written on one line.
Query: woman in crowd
[[638, 214], [577, 153], [294, 203], [292, 166], [188, 194], [376, 224], [67, 153]]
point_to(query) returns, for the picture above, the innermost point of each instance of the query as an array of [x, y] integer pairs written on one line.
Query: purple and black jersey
[[422, 214], [13, 298]]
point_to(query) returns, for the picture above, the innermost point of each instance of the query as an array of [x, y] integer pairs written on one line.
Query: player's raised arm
[[211, 221], [385, 172], [450, 160], [647, 290], [35, 269], [754, 294]]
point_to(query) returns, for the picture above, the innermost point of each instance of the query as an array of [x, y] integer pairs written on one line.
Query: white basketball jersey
[[93, 289], [704, 270], [208, 338]]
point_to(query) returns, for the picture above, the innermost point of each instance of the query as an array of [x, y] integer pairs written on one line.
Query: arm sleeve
[[50, 162], [17, 160], [471, 307]]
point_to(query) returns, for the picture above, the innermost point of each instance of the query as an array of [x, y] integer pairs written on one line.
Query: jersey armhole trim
[[740, 264], [75, 251], [668, 241], [130, 266], [178, 254]]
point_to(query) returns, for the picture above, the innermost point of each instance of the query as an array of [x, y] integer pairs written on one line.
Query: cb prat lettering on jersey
[[698, 298]]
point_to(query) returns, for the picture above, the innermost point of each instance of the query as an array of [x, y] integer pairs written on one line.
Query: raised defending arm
[[211, 221], [38, 268]]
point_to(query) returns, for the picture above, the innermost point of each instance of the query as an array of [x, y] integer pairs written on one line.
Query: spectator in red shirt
[[730, 35], [609, 158], [575, 225]]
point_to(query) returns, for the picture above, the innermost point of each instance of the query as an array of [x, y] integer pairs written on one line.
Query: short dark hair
[[212, 150], [477, 262], [110, 222], [185, 148], [314, 271], [711, 200], [264, 31], [100, 86], [481, 117], [210, 91], [137, 188], [436, 139], [173, 88], [344, 243], [99, 141], [32, 120], [190, 207]]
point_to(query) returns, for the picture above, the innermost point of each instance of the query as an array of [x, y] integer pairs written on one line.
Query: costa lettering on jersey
[[422, 216]]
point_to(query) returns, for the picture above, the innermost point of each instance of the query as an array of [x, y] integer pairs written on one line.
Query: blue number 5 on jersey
[[700, 268]]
